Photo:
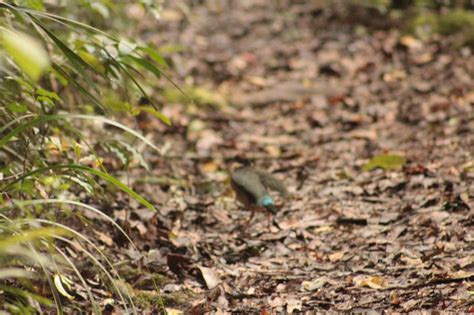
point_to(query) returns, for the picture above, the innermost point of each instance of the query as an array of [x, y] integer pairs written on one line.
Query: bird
[[250, 186]]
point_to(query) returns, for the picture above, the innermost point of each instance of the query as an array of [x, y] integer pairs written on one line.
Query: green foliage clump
[[458, 22], [200, 96], [147, 299], [62, 79]]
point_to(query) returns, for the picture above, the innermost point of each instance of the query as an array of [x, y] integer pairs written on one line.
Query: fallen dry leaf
[[314, 284], [374, 282], [211, 277], [107, 240], [336, 256]]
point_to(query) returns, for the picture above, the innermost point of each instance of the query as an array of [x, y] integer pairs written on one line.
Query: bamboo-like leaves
[[108, 178], [28, 236], [83, 64], [46, 118]]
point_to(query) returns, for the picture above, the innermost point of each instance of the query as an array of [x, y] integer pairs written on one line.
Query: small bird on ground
[[250, 186]]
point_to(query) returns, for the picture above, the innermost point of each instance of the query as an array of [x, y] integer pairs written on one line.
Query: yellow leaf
[[27, 52], [375, 282], [63, 285], [336, 256], [155, 113], [210, 167], [92, 60]]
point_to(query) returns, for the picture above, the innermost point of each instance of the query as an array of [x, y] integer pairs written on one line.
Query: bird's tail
[[267, 202]]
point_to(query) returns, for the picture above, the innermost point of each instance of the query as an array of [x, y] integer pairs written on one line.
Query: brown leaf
[[336, 256], [178, 263], [107, 240]]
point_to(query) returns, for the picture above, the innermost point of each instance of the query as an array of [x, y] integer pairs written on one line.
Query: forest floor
[[311, 98]]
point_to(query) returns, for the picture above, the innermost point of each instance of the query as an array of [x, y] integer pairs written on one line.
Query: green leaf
[[74, 82], [92, 60], [119, 152], [23, 127], [145, 64], [27, 187], [45, 99], [34, 4], [72, 24], [27, 295], [27, 53], [113, 102], [28, 236], [16, 107], [6, 273], [154, 55], [101, 9], [77, 150], [199, 95], [60, 77], [135, 153], [155, 113], [121, 67], [79, 64], [11, 87], [125, 47], [385, 162], [86, 186], [48, 94]]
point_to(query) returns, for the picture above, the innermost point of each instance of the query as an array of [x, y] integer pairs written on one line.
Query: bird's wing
[[272, 182], [249, 181]]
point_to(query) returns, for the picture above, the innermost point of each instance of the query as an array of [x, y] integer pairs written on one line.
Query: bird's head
[[267, 202], [240, 161]]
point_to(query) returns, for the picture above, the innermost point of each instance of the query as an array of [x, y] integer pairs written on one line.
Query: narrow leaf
[[112, 180], [155, 113]]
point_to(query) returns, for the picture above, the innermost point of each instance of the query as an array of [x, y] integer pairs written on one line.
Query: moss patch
[[180, 299]]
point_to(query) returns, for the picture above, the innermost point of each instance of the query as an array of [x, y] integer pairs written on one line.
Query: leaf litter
[[373, 134]]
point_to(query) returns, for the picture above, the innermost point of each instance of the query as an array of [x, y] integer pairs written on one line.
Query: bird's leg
[[243, 229], [269, 220], [247, 222]]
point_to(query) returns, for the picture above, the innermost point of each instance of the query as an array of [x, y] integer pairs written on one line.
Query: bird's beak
[[235, 165]]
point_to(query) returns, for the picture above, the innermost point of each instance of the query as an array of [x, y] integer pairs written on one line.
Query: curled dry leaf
[[173, 311], [211, 277], [395, 298], [107, 240], [411, 261], [336, 256], [294, 306], [374, 282], [313, 285]]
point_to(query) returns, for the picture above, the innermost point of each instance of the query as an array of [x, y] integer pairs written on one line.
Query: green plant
[[458, 23], [58, 79]]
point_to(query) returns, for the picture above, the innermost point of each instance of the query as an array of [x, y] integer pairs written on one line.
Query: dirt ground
[[311, 96]]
